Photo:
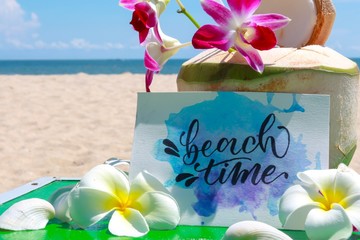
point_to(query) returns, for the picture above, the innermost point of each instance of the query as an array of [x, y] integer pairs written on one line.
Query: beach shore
[[62, 125]]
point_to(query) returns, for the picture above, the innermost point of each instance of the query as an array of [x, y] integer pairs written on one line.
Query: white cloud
[[80, 43], [13, 19], [77, 43], [19, 30]]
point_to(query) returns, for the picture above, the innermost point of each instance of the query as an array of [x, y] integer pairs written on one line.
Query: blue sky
[[99, 29]]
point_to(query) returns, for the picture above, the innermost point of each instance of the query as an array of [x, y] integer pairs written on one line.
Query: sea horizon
[[88, 66]]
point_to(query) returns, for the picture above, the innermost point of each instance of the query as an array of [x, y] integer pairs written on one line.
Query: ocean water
[[46, 67]]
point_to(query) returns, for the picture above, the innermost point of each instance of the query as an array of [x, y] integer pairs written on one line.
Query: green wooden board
[[56, 230]]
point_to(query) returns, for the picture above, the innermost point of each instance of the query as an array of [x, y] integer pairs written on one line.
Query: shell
[[29, 214], [254, 230]]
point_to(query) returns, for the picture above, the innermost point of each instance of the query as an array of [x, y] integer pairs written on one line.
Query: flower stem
[[186, 13]]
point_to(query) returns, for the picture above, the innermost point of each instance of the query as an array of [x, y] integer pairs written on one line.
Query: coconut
[[312, 18], [311, 70]]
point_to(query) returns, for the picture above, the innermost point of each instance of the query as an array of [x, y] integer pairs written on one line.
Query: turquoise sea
[[37, 67]]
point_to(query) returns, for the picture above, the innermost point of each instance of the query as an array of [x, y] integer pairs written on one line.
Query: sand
[[62, 125]]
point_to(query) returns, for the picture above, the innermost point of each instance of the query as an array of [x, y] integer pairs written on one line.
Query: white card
[[227, 156]]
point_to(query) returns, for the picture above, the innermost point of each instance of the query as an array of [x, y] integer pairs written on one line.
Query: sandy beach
[[62, 125]]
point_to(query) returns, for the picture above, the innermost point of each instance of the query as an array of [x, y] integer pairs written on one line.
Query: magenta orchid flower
[[157, 53], [238, 27], [143, 19], [145, 15]]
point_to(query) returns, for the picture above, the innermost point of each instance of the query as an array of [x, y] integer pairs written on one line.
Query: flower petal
[[145, 182], [293, 198], [330, 225], [144, 18], [129, 4], [29, 214], [250, 54], [211, 36], [261, 38], [294, 206], [318, 183], [149, 61], [89, 205], [148, 79], [160, 210], [106, 178], [351, 205], [346, 183], [217, 11], [59, 199], [244, 7], [272, 21], [129, 223]]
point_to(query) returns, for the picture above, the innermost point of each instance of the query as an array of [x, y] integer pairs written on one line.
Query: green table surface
[[56, 230]]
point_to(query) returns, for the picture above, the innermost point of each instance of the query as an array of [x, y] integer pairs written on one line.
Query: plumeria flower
[[145, 15], [326, 205], [238, 27], [135, 207], [157, 53]]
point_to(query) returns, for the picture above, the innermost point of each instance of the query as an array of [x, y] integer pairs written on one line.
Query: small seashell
[[254, 230], [29, 214], [59, 199]]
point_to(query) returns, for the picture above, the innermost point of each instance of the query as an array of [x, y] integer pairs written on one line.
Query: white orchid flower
[[136, 207], [326, 205]]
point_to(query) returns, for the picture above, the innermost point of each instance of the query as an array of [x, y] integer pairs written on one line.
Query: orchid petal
[[148, 13], [244, 7], [59, 199], [106, 178], [161, 6], [251, 55], [149, 61], [145, 182], [272, 21], [144, 18], [129, 4], [160, 210], [217, 11], [293, 198], [333, 224], [88, 205], [211, 36], [352, 207], [28, 214], [148, 79], [129, 223], [261, 38]]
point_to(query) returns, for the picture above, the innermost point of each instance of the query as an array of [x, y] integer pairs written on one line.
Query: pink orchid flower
[[238, 27], [143, 19], [157, 53], [145, 15]]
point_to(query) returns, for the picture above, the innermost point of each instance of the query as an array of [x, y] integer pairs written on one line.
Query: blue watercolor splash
[[246, 196]]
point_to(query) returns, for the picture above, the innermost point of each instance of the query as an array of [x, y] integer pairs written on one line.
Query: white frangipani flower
[[326, 205], [136, 207]]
